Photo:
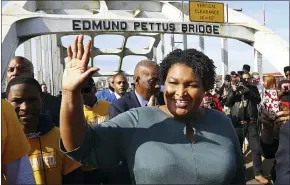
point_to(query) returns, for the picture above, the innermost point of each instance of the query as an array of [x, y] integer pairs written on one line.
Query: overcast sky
[[277, 19]]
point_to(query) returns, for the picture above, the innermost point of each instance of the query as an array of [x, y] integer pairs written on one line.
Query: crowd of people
[[173, 127]]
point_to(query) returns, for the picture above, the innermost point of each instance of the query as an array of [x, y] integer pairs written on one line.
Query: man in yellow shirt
[[95, 111], [49, 164], [15, 165]]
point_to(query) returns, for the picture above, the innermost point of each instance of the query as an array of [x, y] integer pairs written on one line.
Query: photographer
[[242, 100], [222, 92]]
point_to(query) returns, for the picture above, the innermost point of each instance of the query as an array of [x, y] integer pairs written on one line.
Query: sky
[[277, 19]]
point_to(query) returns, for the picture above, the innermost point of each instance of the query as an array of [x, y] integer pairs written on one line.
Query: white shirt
[[117, 95], [111, 92], [141, 100]]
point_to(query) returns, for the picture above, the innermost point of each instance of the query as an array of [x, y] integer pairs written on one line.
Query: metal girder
[[150, 6], [51, 25], [61, 5], [20, 22]]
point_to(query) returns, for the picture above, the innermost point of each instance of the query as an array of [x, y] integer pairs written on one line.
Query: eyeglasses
[[86, 90]]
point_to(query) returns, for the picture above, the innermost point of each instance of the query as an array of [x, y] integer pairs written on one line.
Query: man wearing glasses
[[95, 111]]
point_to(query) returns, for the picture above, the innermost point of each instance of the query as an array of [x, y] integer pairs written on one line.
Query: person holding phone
[[274, 141], [284, 85]]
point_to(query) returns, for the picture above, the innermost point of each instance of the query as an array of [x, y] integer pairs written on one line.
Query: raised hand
[[76, 70]]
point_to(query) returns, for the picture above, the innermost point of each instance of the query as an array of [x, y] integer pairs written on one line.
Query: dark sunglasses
[[86, 90]]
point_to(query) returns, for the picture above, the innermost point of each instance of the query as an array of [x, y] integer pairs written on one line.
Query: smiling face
[[183, 91]]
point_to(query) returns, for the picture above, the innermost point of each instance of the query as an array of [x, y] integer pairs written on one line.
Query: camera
[[240, 86], [228, 78]]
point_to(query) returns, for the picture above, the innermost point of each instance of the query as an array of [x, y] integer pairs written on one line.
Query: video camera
[[228, 78], [240, 86]]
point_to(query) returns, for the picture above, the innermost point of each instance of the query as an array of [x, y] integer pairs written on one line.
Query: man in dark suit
[[146, 87], [145, 94]]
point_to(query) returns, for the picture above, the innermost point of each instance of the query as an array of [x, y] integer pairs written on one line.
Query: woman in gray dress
[[178, 143]]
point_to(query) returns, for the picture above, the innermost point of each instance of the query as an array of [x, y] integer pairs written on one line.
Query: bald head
[[143, 66], [110, 81], [146, 78], [19, 66]]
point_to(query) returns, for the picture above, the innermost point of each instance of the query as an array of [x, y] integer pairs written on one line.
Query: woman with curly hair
[[178, 143]]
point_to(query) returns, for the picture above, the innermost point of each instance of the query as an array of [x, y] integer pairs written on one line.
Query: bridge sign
[[206, 12]]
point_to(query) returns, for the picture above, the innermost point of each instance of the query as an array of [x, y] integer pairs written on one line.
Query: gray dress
[[157, 151]]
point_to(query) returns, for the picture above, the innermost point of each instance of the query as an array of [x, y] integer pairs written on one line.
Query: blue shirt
[[106, 95]]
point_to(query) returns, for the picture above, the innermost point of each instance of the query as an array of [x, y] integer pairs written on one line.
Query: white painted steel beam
[[258, 63], [225, 57], [27, 50], [201, 43], [20, 22], [52, 25]]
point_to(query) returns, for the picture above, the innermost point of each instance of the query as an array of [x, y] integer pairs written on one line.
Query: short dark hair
[[286, 68], [198, 61], [23, 80], [247, 67], [89, 82], [228, 78], [119, 74], [240, 73], [234, 73]]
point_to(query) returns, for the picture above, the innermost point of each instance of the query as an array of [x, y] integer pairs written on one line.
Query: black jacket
[[123, 104], [51, 107], [283, 156], [251, 95], [279, 150]]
